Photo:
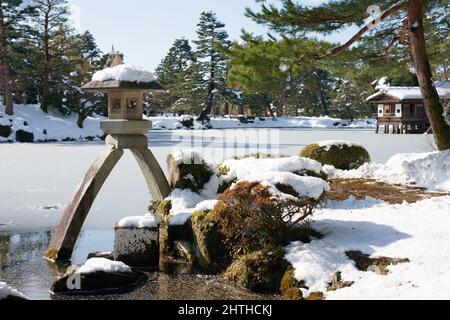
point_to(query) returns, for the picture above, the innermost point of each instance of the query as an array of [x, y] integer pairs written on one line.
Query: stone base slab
[[127, 141], [114, 127]]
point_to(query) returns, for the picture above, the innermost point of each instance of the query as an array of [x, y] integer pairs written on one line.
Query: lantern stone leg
[[63, 241], [153, 174]]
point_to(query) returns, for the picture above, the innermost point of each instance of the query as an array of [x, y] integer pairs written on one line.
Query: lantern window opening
[[117, 105]]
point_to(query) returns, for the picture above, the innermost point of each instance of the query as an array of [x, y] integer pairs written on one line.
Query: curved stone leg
[[154, 175], [63, 241]]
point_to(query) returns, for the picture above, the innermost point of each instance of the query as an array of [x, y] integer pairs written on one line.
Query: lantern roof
[[122, 76]]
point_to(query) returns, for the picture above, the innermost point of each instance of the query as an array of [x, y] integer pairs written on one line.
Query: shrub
[[260, 271], [5, 131], [24, 136], [250, 218], [341, 156]]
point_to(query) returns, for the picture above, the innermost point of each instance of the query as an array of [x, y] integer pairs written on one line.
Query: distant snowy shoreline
[[30, 124]]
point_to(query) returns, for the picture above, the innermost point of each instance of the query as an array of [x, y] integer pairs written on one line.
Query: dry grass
[[342, 189]]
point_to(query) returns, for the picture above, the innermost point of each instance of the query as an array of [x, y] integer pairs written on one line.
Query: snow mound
[[424, 170], [304, 186], [7, 291], [103, 265], [416, 231], [240, 169], [124, 72], [139, 222]]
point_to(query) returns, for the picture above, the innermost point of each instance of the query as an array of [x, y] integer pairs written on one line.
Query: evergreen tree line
[[44, 60], [281, 74]]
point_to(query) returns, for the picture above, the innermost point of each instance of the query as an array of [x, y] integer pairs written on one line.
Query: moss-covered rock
[[210, 255], [5, 131], [191, 175], [260, 271], [342, 156], [24, 136]]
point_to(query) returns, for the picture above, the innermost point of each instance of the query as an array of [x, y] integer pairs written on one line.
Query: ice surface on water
[[44, 175]]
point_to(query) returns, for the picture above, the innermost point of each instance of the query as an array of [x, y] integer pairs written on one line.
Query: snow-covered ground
[[48, 126], [424, 170], [55, 127], [419, 232], [173, 123]]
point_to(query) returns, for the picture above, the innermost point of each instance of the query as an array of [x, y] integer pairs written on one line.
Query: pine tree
[[86, 57], [405, 23], [53, 35], [212, 41], [13, 14], [176, 73]]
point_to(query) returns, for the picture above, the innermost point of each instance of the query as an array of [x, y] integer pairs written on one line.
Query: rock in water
[[98, 283], [137, 242]]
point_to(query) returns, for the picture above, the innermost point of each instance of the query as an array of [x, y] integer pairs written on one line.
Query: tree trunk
[[433, 105], [46, 66], [9, 102]]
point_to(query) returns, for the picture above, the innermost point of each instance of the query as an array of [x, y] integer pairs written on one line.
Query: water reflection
[[22, 266]]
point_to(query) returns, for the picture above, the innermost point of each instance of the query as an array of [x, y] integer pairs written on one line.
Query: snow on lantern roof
[[411, 93], [123, 76], [124, 72]]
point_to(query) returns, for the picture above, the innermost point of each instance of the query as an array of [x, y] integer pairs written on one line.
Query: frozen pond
[[37, 181]]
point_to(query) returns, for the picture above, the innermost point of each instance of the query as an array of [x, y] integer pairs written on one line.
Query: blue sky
[[145, 29]]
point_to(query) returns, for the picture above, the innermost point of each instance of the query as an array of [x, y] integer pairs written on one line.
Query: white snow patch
[[103, 265], [240, 169], [425, 170], [310, 187], [139, 222], [329, 143], [124, 72], [417, 231], [7, 291], [49, 126]]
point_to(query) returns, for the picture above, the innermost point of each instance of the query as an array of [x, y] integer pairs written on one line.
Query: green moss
[[342, 157], [210, 254], [260, 271], [189, 176], [293, 294], [164, 207], [52, 254], [316, 296]]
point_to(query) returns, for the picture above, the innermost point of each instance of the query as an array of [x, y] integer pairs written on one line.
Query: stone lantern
[[125, 86]]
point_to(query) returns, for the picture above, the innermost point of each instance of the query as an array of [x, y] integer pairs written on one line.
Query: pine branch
[[392, 10]]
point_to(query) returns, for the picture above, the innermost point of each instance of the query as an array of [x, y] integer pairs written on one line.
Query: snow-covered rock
[[148, 221], [124, 72], [8, 292], [95, 265]]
